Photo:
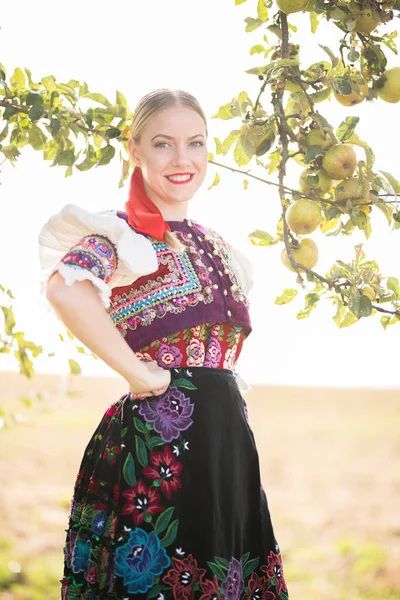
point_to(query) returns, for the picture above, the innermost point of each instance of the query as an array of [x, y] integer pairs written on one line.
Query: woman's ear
[[133, 152]]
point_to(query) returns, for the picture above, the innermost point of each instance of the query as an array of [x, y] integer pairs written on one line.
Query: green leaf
[[216, 181], [250, 567], [35, 112], [393, 182], [140, 426], [11, 152], [237, 2], [346, 128], [274, 160], [334, 59], [216, 569], [393, 285], [257, 49], [129, 470], [170, 536], [314, 22], [252, 24], [9, 112], [163, 520], [2, 72], [141, 451], [65, 158], [154, 442], [113, 132], [387, 210], [312, 153], [360, 305], [262, 11], [154, 592], [120, 98], [18, 79], [89, 161], [239, 154], [286, 297], [123, 432], [184, 383], [228, 141], [228, 111], [36, 138], [222, 562], [74, 367], [311, 302], [104, 155], [97, 98], [261, 238]]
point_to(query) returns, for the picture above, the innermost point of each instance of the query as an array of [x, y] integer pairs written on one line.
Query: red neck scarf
[[143, 214]]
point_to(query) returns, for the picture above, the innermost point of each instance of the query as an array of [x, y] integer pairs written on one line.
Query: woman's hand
[[154, 382]]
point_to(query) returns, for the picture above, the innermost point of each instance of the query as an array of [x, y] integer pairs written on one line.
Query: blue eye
[[160, 144], [198, 142]]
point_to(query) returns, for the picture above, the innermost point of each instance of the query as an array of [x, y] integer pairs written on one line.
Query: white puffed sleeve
[[244, 266], [99, 246]]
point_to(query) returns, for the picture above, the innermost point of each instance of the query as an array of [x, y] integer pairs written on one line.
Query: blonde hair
[[150, 105]]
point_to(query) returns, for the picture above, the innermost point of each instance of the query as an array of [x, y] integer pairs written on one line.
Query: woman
[[168, 501]]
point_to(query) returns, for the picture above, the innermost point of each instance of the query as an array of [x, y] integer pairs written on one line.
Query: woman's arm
[[80, 308]]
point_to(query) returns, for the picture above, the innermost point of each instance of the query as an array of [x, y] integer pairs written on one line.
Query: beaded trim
[[95, 253], [170, 292], [222, 250]]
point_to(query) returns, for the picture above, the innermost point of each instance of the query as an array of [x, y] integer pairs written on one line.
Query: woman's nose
[[181, 156]]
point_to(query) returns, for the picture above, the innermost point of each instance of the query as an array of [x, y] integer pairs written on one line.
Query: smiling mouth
[[180, 179]]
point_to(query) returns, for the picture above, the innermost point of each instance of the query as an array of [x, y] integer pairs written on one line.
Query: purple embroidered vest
[[201, 285]]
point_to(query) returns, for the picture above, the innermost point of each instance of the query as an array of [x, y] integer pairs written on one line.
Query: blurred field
[[330, 463]]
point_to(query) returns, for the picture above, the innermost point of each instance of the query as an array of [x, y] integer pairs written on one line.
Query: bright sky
[[139, 46]]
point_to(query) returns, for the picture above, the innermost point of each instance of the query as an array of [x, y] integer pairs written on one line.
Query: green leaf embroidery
[[250, 567], [218, 572], [129, 470], [184, 383], [170, 536], [141, 451], [140, 426], [163, 520]]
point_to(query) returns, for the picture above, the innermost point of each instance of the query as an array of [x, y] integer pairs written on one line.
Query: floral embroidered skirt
[[168, 502]]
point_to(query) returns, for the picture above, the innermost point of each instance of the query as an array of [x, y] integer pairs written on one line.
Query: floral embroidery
[[165, 469], [258, 589], [222, 250], [208, 344], [169, 413], [142, 503], [168, 356], [180, 281], [214, 354], [81, 555], [140, 560], [233, 585], [210, 590], [195, 353], [95, 253], [274, 571], [182, 576]]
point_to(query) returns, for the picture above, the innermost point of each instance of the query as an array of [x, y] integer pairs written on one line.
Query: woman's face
[[172, 155]]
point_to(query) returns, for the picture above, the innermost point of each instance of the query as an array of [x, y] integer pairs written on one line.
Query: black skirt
[[168, 501]]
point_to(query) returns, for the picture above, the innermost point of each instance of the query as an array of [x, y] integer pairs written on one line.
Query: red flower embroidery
[[182, 576], [164, 466], [210, 589], [274, 570], [141, 501], [258, 588]]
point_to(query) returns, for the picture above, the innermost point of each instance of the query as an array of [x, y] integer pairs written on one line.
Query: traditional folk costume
[[168, 501]]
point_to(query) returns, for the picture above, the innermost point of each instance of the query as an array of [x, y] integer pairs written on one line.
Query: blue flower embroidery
[[81, 555], [139, 560], [99, 522]]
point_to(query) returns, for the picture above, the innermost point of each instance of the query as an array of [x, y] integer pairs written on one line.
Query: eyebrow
[[171, 138]]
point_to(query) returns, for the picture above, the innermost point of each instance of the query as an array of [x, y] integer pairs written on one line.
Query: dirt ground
[[330, 462]]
